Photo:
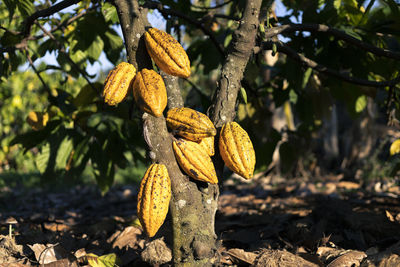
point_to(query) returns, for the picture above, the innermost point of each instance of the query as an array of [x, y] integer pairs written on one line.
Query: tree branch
[[46, 87], [213, 7], [172, 12], [224, 101], [322, 69], [62, 50], [45, 13], [335, 32]]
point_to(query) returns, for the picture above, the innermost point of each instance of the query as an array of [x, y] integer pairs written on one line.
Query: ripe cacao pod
[[37, 120], [118, 82], [190, 124], [149, 92], [153, 198], [195, 161], [167, 53], [208, 145], [237, 150]]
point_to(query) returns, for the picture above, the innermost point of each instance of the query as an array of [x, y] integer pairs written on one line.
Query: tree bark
[[193, 204], [224, 102]]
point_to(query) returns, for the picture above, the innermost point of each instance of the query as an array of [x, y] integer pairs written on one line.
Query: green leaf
[[42, 158], [293, 96], [114, 40], [361, 103], [11, 5], [110, 13], [109, 260], [25, 7], [86, 95], [95, 48], [306, 78], [63, 153], [337, 4], [243, 94]]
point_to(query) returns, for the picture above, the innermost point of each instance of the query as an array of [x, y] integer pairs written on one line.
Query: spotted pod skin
[[237, 150], [167, 53], [190, 124], [118, 82], [149, 92], [153, 198], [195, 161], [208, 145]]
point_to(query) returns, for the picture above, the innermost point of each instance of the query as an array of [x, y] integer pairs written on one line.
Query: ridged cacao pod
[[168, 54], [149, 92], [195, 161], [37, 120], [208, 145], [118, 82], [153, 198], [190, 124], [237, 150]]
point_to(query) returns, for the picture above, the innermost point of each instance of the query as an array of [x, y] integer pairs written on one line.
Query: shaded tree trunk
[[193, 204]]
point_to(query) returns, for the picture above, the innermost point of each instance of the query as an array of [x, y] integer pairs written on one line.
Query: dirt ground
[[268, 221]]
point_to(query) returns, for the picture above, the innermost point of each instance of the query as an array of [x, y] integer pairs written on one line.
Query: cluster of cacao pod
[[194, 147], [147, 85]]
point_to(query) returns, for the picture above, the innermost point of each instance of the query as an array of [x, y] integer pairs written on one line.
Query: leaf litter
[[268, 222]]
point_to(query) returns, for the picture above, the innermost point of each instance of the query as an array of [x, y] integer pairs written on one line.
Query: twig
[[46, 87], [196, 88], [321, 68], [62, 50], [213, 7], [65, 23], [223, 16], [45, 13], [172, 12], [335, 32]]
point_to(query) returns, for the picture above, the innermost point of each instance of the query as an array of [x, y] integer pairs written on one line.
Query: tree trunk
[[193, 204]]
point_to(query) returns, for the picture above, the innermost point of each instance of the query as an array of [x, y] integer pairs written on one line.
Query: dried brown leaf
[[348, 185], [49, 253], [389, 216], [156, 252], [277, 258], [349, 259], [128, 238], [240, 256]]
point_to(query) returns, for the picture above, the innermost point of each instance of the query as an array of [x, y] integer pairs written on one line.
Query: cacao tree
[[343, 51]]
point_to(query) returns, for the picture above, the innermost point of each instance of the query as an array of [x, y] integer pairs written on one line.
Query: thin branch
[[46, 87], [45, 13], [213, 7], [62, 50], [335, 32], [172, 12], [65, 23], [197, 89], [223, 16], [321, 68]]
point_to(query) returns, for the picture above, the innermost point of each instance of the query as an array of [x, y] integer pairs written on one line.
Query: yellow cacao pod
[[190, 124], [37, 120], [237, 150], [153, 198], [149, 92], [118, 82], [195, 161], [167, 53], [208, 145]]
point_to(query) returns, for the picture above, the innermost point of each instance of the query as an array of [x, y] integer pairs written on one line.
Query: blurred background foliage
[[55, 128]]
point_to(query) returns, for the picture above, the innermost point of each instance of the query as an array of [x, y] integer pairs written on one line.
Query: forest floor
[[268, 221]]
